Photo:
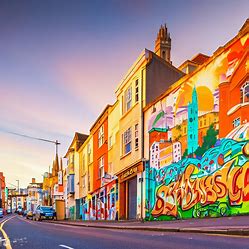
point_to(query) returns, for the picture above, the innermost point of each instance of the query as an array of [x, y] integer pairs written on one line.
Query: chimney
[[33, 180]]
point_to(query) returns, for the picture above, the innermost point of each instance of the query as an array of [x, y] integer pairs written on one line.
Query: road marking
[[68, 247], [229, 235], [8, 244]]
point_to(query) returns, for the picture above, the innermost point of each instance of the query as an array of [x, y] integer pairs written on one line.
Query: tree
[[208, 141]]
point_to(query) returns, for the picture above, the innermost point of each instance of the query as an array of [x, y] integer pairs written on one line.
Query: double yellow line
[[7, 240]]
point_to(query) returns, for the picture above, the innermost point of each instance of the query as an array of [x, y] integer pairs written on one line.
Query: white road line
[[68, 247]]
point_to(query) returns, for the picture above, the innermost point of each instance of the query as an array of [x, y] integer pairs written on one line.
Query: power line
[[34, 138], [31, 137]]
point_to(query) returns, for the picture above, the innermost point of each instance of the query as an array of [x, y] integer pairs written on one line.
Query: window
[[127, 141], [236, 122], [88, 153], [136, 91], [110, 141], [101, 136], [136, 136], [244, 93], [83, 164], [88, 182], [84, 181], [110, 168], [101, 167], [163, 55], [128, 99]]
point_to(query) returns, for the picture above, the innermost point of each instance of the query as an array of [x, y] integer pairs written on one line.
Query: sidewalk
[[226, 225]]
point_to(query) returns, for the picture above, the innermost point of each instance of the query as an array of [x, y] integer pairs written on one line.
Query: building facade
[[72, 201], [151, 74], [196, 138]]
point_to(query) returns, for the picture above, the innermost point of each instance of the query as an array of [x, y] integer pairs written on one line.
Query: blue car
[[1, 213], [44, 212]]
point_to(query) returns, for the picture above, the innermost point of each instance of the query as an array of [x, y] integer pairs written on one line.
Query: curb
[[228, 231]]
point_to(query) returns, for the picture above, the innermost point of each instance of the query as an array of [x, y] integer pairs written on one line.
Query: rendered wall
[[193, 171]]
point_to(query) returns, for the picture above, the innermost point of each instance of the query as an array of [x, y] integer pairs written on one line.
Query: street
[[29, 234]]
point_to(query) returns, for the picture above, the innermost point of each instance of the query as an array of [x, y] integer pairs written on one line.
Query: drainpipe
[[142, 141]]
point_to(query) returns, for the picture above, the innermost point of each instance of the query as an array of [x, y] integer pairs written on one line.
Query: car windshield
[[47, 208]]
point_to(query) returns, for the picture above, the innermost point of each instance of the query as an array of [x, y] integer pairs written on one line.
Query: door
[[132, 198]]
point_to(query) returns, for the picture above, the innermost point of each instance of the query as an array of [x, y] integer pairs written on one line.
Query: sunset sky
[[60, 62]]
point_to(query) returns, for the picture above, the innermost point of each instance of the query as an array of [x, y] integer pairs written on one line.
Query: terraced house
[[169, 128]]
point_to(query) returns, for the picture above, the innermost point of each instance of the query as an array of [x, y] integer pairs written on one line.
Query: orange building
[[234, 88], [99, 132], [2, 190]]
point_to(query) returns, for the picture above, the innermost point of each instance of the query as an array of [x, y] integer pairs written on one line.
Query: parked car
[[19, 210], [1, 213], [44, 212], [29, 214], [24, 214]]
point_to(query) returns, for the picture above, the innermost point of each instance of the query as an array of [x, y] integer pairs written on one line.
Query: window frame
[[136, 91], [127, 141], [101, 134], [136, 137], [128, 99], [243, 93], [101, 167]]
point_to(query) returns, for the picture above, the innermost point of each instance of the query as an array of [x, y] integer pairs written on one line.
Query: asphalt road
[[41, 235]]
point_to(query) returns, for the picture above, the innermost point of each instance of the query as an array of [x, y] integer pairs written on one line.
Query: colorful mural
[[102, 204], [197, 167]]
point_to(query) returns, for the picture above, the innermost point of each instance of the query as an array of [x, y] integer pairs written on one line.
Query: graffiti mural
[[199, 141]]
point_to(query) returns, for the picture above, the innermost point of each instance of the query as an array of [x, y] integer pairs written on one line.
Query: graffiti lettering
[[231, 181]]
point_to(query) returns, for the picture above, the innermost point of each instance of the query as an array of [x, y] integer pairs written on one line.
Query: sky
[[60, 62]]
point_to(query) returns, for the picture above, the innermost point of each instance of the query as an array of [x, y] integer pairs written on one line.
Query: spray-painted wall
[[198, 168]]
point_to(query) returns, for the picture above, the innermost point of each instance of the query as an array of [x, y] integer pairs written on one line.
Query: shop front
[[128, 192]]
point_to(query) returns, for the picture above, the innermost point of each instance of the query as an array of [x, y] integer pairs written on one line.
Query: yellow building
[[151, 74], [85, 176], [72, 175]]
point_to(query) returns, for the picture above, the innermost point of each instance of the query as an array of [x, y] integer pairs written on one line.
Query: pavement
[[28, 234], [237, 225]]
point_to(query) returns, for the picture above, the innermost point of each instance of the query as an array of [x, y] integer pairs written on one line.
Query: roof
[[197, 60], [200, 58], [99, 117], [80, 137], [145, 56]]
